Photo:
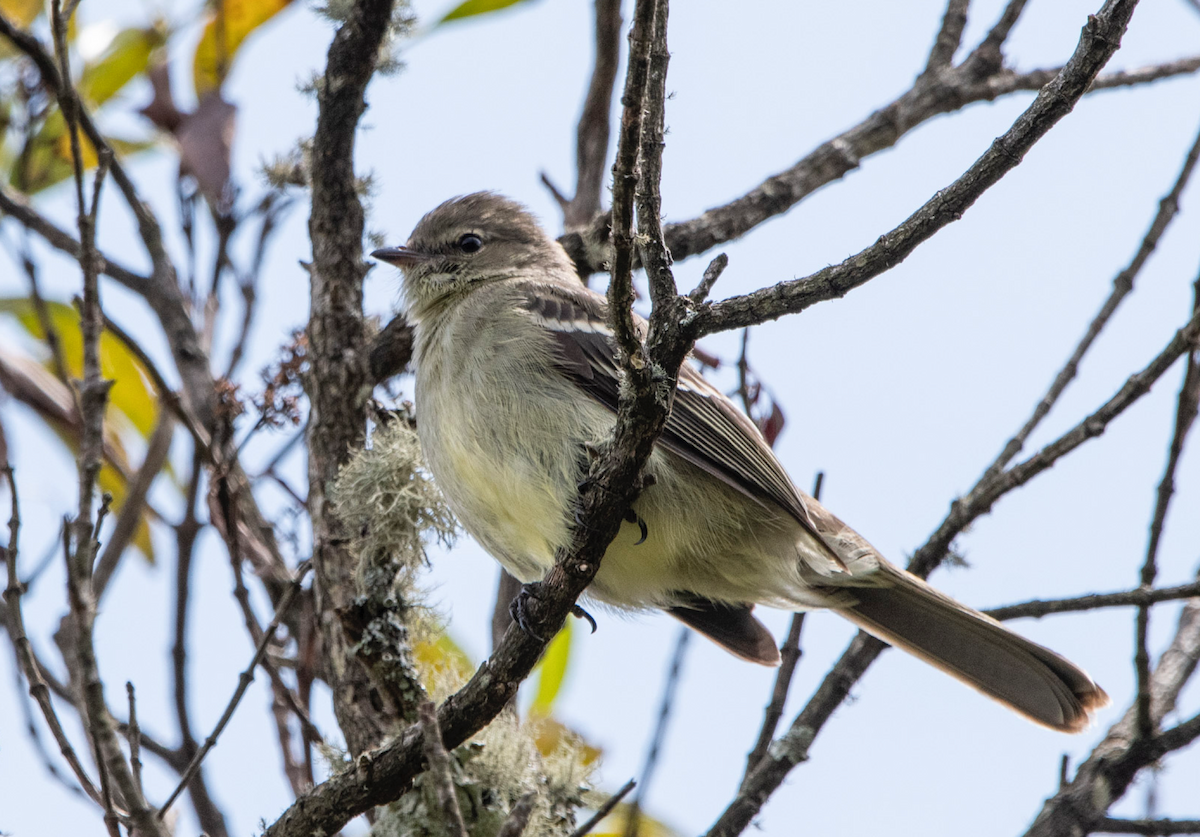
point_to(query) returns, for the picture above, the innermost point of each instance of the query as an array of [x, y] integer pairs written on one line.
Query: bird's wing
[[704, 427]]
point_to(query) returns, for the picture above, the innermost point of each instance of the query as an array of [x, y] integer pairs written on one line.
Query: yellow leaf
[[615, 824], [22, 12], [552, 670], [126, 57], [62, 147], [219, 43], [131, 395], [441, 662], [549, 735]]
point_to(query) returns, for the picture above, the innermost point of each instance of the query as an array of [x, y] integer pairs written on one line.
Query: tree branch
[[591, 146], [611, 485], [863, 650], [1100, 39], [337, 383], [949, 37], [953, 90]]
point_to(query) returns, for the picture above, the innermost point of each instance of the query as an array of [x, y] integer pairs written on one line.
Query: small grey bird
[[516, 378]]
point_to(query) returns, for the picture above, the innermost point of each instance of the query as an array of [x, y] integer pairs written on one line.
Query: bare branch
[[1100, 38], [32, 671], [625, 181], [1185, 416], [954, 90], [988, 57], [591, 148], [863, 650], [135, 501], [711, 274], [1109, 825], [1168, 208], [439, 771], [244, 681], [949, 37], [1138, 597], [604, 810], [1010, 81], [337, 387], [134, 736]]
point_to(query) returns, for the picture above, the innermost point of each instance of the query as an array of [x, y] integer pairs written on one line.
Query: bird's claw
[[633, 517], [579, 613], [519, 609]]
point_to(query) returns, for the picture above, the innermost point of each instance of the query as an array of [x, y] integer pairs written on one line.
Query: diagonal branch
[[1099, 40], [863, 649], [954, 90], [1185, 417], [591, 146], [949, 37], [1168, 208]]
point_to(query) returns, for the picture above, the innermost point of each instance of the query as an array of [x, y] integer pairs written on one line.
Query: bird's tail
[[906, 612]]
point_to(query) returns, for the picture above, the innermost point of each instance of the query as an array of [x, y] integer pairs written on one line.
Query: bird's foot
[[519, 609], [520, 612]]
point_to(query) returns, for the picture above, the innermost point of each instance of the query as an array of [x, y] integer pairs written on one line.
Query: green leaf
[[218, 44], [472, 8], [552, 670], [126, 57]]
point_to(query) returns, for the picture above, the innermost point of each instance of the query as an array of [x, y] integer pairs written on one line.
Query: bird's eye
[[470, 243]]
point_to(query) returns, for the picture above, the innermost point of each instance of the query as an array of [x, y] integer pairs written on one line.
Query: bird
[[516, 382]]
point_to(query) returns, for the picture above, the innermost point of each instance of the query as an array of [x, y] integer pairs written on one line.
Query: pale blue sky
[[902, 392]]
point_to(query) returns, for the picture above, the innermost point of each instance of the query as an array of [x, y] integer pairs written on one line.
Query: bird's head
[[469, 241]]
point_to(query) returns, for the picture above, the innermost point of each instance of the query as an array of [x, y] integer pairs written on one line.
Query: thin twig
[[592, 134], [93, 397], [1110, 825], [863, 650], [949, 37], [1185, 417], [134, 736], [1138, 597], [625, 180], [988, 57], [660, 731], [604, 810], [711, 274], [651, 246], [244, 681], [789, 656], [440, 772], [30, 667], [131, 511], [1168, 208]]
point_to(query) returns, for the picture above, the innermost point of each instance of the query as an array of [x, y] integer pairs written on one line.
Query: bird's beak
[[399, 256]]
